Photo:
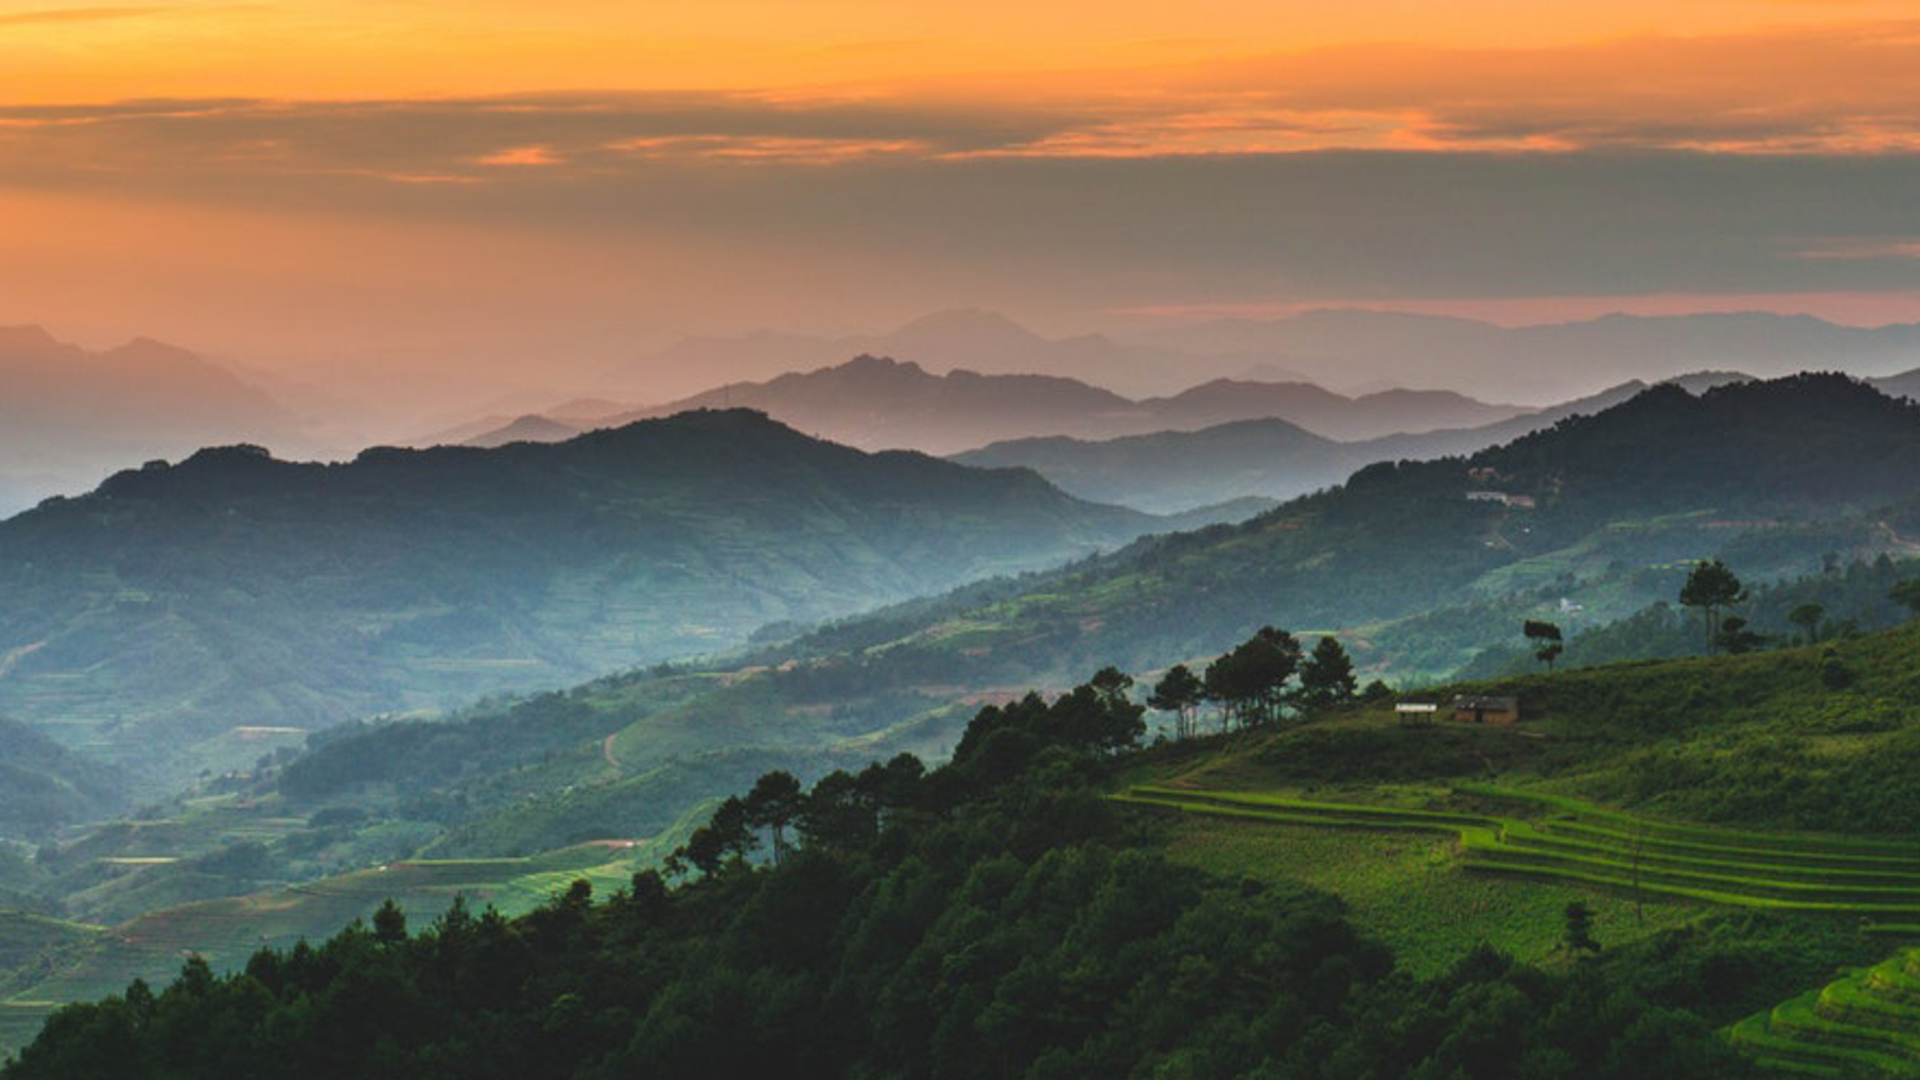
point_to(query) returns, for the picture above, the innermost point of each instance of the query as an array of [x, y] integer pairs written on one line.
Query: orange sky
[[304, 180], [376, 48]]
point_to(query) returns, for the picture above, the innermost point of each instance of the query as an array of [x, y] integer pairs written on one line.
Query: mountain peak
[[151, 350], [963, 330], [869, 364], [29, 337], [969, 318]]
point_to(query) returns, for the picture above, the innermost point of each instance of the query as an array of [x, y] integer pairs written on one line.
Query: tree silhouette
[[1179, 692], [773, 804], [1545, 639], [1326, 676], [1579, 933], [1250, 682], [1711, 587], [1807, 617]]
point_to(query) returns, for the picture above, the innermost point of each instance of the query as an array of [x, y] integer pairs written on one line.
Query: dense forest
[[994, 917]]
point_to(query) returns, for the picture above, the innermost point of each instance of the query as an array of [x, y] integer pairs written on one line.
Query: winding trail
[[8, 661]]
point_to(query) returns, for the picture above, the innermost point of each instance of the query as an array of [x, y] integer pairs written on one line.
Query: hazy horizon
[[499, 196]]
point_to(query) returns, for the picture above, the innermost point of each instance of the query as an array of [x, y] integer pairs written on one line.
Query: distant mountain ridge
[[68, 415], [1170, 471], [175, 602], [880, 403], [1414, 565], [1349, 350], [1777, 473], [1347, 347], [969, 338]]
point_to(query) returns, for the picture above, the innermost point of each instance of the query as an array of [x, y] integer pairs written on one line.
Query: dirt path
[[8, 661], [606, 747]]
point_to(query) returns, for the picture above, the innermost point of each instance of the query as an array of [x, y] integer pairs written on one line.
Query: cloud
[[1847, 90], [113, 14], [68, 15], [521, 156], [275, 142], [1739, 164], [1876, 248]]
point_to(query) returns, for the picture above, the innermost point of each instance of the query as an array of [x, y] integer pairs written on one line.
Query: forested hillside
[[995, 917], [155, 615], [1374, 562]]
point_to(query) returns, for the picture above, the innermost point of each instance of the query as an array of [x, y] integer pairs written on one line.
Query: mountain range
[[1350, 350], [175, 604], [881, 403], [972, 339], [70, 415], [1171, 471], [1417, 566]]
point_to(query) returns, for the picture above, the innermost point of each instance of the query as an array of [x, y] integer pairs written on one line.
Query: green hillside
[[1605, 510], [150, 620], [1495, 830], [51, 963], [43, 784], [995, 915], [1663, 797], [627, 754]]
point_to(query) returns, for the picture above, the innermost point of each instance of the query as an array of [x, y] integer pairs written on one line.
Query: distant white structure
[[1517, 502], [1417, 712]]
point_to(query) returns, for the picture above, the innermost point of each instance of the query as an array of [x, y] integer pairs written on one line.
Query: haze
[[430, 205]]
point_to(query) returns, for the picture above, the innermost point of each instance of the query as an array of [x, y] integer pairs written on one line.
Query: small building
[[1485, 709], [1416, 712]]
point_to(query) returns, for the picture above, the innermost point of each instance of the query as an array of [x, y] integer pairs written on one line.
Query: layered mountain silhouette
[[1172, 471], [1785, 470], [967, 338], [1415, 565], [175, 602], [1352, 351], [878, 402], [69, 415], [1346, 347]]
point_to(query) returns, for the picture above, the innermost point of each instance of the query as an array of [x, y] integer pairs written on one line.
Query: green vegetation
[[1662, 796], [1865, 1023], [55, 962], [156, 613], [43, 784], [1849, 597], [993, 917], [1581, 844], [1408, 889]]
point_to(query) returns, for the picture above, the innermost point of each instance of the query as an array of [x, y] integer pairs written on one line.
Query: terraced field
[[1561, 840], [1864, 1024]]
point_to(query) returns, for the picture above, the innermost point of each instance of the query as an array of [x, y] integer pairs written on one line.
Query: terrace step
[[1853, 1024]]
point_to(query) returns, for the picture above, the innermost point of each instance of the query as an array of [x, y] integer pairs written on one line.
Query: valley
[[1655, 796]]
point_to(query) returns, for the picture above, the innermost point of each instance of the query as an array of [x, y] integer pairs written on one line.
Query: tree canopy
[[1712, 587]]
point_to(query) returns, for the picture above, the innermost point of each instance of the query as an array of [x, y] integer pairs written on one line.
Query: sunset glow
[[1065, 161]]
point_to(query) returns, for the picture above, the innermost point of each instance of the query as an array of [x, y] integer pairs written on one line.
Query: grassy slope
[[1766, 768], [1410, 890]]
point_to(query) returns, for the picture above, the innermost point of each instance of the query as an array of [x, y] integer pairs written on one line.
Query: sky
[[508, 192]]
